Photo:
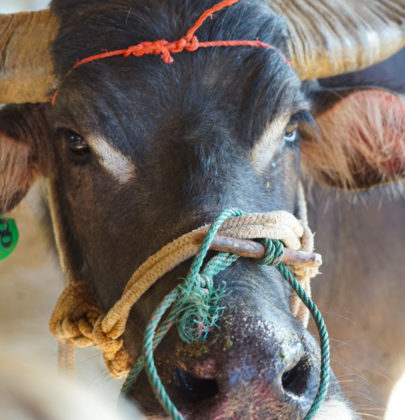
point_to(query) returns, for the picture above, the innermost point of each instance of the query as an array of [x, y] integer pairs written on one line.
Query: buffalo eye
[[78, 144], [74, 142], [302, 117], [291, 133], [290, 136]]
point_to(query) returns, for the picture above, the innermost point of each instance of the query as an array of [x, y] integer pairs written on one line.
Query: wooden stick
[[251, 249]]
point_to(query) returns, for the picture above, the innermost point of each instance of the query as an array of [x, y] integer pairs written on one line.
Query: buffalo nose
[[291, 379], [294, 380], [274, 378]]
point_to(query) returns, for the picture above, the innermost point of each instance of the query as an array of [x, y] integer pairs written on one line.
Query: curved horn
[[26, 69], [340, 36]]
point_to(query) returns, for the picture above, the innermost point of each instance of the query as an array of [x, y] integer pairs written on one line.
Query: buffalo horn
[[332, 37], [327, 38], [26, 68]]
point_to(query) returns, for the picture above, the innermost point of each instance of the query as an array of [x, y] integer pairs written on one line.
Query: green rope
[[194, 308]]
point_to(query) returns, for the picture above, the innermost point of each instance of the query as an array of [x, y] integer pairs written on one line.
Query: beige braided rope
[[77, 319]]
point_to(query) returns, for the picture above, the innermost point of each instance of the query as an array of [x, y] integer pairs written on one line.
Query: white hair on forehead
[[269, 144], [114, 161]]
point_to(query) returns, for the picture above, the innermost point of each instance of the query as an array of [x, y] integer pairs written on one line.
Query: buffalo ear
[[22, 130], [359, 138]]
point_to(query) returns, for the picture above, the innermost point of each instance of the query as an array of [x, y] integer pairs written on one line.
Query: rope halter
[[194, 307], [77, 319]]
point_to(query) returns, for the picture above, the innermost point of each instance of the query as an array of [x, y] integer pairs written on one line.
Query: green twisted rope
[[195, 309]]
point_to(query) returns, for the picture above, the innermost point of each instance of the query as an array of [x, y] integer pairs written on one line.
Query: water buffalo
[[137, 151]]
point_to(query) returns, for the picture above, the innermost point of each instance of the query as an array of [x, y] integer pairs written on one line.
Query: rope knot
[[160, 46], [273, 254], [198, 308], [163, 47], [192, 44], [189, 43]]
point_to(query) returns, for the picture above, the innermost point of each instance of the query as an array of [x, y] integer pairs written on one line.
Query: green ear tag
[[8, 237]]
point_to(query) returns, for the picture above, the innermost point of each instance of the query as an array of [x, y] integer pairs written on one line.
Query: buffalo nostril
[[196, 388], [295, 380]]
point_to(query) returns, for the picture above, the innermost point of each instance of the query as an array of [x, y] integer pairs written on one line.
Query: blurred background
[[30, 284], [11, 6]]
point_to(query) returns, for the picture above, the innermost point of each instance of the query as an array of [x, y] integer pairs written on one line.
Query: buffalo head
[[136, 152]]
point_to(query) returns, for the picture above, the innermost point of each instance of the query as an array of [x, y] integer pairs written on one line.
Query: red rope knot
[[147, 48], [189, 43], [163, 47]]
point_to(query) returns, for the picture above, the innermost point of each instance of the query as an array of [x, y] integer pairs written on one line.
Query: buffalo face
[[138, 152], [143, 159]]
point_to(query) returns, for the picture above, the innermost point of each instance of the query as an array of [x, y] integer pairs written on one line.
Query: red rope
[[189, 42]]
